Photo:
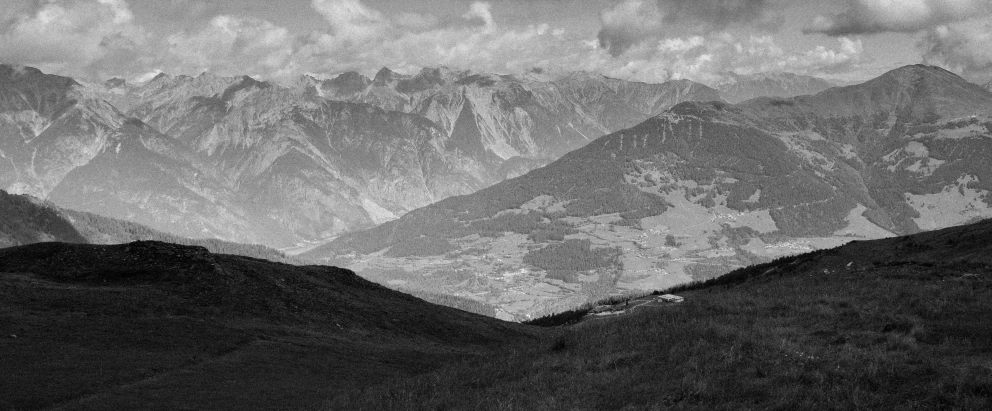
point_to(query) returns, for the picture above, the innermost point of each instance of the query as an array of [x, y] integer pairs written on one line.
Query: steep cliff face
[[701, 189], [737, 88]]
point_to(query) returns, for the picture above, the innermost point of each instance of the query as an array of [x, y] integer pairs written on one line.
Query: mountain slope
[[153, 325], [310, 168], [28, 220], [889, 324], [48, 126], [698, 191], [737, 88], [63, 142]]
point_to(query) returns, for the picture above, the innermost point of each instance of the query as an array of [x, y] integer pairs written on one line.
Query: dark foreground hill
[[151, 325], [900, 323]]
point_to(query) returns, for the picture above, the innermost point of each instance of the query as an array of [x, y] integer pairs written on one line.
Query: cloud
[[708, 58], [627, 24], [903, 16], [476, 41], [230, 44], [99, 39], [481, 11], [714, 13], [59, 35], [630, 22], [965, 47], [351, 19]]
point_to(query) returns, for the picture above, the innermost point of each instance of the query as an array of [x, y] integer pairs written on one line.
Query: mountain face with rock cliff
[[699, 190], [252, 161]]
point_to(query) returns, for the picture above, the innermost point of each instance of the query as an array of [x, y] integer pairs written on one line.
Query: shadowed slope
[[159, 326]]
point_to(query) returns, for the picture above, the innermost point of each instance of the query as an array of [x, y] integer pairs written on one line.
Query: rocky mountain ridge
[[736, 88], [530, 116]]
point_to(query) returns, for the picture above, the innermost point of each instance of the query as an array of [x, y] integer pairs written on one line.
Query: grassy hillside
[[151, 325], [901, 323]]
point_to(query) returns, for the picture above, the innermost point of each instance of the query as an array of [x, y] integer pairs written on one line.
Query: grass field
[[891, 324]]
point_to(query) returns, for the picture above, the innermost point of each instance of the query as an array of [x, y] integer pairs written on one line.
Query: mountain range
[[699, 190], [252, 161]]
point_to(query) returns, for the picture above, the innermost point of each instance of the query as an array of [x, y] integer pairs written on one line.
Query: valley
[[697, 191], [689, 243]]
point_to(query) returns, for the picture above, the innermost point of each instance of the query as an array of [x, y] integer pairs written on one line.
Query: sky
[[641, 40]]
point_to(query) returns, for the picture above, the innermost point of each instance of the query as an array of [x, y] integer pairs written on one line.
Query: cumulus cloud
[[905, 16], [476, 41], [231, 44], [352, 19], [965, 47], [708, 58], [627, 24], [60, 34], [630, 22], [481, 11]]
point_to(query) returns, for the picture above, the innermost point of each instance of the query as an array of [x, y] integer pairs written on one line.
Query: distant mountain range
[[699, 190], [534, 116], [737, 87], [251, 161]]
